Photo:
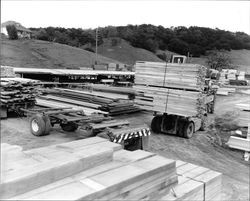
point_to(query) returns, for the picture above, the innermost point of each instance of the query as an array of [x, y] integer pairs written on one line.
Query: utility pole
[[96, 44]]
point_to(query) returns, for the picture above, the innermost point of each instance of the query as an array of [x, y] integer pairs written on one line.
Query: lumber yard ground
[[201, 149]]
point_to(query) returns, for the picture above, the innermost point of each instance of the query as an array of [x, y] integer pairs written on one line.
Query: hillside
[[240, 58], [122, 51], [43, 54]]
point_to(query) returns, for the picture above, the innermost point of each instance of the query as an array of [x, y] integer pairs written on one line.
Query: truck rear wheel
[[156, 124], [188, 129], [37, 125]]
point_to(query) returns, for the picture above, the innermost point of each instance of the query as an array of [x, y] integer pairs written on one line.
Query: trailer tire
[[69, 127], [47, 124], [188, 129], [37, 125], [156, 124]]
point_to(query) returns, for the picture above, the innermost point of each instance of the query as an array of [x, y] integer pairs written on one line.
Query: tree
[[218, 60], [12, 32]]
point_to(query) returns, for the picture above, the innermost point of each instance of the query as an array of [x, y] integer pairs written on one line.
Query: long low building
[[71, 75]]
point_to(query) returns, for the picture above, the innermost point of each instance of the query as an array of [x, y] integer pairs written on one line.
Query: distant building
[[22, 32]]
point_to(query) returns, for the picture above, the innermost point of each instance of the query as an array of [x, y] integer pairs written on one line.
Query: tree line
[[195, 40]]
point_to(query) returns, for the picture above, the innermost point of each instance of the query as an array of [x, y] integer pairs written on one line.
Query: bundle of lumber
[[96, 169], [111, 89], [89, 169], [170, 88], [195, 183], [17, 91], [224, 91], [114, 104], [173, 101], [121, 107], [182, 76]]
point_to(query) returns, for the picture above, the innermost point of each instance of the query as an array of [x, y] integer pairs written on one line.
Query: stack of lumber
[[96, 169], [170, 88], [117, 108], [114, 104], [182, 76], [173, 101], [224, 91], [111, 89], [89, 169], [7, 71], [17, 91], [244, 113], [239, 143], [195, 183], [43, 102]]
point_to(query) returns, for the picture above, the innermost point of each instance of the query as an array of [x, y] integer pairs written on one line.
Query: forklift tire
[[69, 127], [37, 125], [156, 124], [188, 130]]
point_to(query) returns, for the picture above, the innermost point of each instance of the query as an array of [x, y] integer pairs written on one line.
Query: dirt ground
[[200, 150]]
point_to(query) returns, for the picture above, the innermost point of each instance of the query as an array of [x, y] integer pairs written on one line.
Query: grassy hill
[[122, 51], [43, 54], [240, 58]]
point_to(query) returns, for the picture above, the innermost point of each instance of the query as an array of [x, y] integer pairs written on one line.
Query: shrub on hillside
[[12, 32]]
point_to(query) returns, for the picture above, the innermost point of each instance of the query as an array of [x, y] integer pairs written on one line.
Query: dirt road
[[200, 150]]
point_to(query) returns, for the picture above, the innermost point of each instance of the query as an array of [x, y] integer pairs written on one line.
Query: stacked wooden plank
[[173, 101], [244, 113], [195, 183], [89, 169], [113, 103], [7, 71], [224, 91], [182, 76], [170, 88], [17, 91], [239, 143]]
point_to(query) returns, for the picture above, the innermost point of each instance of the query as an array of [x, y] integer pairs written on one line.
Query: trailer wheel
[[156, 124], [47, 125], [37, 125], [188, 130], [69, 127]]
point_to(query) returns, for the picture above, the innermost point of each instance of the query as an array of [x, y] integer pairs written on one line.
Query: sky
[[226, 15]]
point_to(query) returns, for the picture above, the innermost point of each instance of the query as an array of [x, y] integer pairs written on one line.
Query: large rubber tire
[[188, 130], [47, 124], [156, 124], [37, 125], [69, 127], [204, 123]]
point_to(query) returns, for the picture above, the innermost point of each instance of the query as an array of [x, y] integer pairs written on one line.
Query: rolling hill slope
[[43, 54], [125, 53]]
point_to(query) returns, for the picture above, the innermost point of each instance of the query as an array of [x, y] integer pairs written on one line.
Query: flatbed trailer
[[42, 120]]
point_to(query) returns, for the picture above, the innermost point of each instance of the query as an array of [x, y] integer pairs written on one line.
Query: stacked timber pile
[[244, 114], [88, 169], [224, 91], [195, 183], [170, 88], [17, 91], [178, 76], [112, 103], [96, 169]]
